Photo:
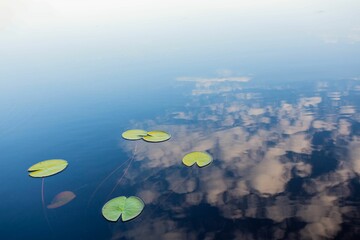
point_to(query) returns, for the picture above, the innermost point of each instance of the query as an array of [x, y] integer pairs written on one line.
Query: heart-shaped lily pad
[[127, 208], [47, 168], [134, 134], [202, 159], [157, 136], [61, 199]]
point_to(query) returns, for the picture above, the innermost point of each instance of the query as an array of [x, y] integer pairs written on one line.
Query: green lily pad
[[134, 134], [202, 159], [127, 208], [157, 136], [47, 168]]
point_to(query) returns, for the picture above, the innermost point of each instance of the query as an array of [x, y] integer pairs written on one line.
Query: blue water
[[271, 89]]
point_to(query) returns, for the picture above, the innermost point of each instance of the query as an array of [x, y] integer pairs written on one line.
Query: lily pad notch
[[201, 159], [134, 134], [47, 168], [126, 208]]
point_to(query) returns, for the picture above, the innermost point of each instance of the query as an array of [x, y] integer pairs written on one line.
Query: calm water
[[271, 89]]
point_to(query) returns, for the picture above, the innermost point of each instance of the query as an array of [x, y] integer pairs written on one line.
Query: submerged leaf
[[134, 134], [202, 159], [61, 199], [47, 168], [157, 136], [127, 208]]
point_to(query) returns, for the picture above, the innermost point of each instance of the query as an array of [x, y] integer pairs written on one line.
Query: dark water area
[[270, 89], [286, 165]]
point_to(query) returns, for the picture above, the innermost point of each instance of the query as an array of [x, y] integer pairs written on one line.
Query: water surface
[[269, 88]]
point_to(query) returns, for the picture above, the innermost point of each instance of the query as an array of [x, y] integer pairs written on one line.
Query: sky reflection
[[285, 162], [270, 88]]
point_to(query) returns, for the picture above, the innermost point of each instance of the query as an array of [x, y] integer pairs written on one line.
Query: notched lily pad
[[128, 208], [157, 136], [47, 168], [202, 159], [61, 199], [134, 134]]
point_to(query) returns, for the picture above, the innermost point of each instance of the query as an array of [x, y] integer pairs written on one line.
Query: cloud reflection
[[281, 162]]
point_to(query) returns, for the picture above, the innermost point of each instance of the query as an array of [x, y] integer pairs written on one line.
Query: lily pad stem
[[43, 204]]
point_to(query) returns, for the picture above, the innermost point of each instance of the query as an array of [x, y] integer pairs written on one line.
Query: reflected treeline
[[286, 164]]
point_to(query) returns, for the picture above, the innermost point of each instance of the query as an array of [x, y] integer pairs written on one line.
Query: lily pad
[[134, 134], [202, 159], [61, 199], [127, 208], [47, 168], [157, 136]]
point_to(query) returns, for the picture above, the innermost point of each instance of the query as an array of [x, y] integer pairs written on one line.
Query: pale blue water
[[271, 89]]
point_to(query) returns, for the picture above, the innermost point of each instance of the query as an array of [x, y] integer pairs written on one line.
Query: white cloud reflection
[[252, 164], [213, 80], [223, 84]]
